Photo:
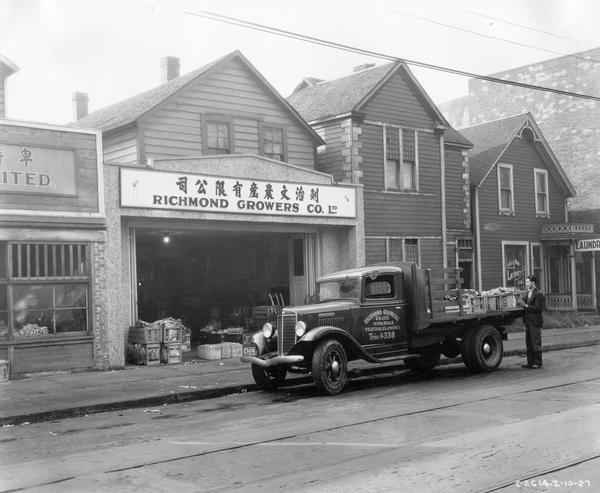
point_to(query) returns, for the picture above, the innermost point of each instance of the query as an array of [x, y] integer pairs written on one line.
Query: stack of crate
[[144, 344]]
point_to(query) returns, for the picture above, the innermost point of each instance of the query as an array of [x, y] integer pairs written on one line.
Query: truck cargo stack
[[382, 313]]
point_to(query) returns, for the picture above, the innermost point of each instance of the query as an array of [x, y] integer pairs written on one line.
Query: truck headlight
[[300, 328], [267, 330]]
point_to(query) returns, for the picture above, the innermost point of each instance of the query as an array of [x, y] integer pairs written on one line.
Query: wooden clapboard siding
[[330, 156], [65, 355], [397, 103], [455, 193], [375, 250], [233, 92], [121, 146], [372, 157], [429, 164], [431, 252], [86, 164], [524, 226]]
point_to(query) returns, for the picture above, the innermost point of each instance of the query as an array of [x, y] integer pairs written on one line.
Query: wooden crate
[[143, 354], [172, 333], [477, 305], [492, 303], [171, 353], [148, 334]]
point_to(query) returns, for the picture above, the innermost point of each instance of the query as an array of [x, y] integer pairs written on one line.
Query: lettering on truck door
[[381, 316]]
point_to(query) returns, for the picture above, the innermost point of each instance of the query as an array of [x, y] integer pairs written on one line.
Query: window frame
[[217, 119], [400, 162], [262, 127], [511, 209], [403, 240], [524, 268], [544, 173], [36, 264]]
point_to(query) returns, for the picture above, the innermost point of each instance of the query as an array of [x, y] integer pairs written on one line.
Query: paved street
[[402, 432]]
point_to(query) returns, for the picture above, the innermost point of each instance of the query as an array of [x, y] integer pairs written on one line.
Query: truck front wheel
[[268, 379], [482, 349], [329, 367]]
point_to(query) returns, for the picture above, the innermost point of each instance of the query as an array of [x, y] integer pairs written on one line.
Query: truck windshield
[[342, 288]]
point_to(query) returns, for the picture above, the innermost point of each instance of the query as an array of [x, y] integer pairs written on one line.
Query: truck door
[[380, 325]]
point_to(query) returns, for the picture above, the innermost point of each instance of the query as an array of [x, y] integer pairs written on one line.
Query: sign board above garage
[[193, 192]]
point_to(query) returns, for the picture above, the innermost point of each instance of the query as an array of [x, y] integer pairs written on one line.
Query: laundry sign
[[194, 192], [587, 245]]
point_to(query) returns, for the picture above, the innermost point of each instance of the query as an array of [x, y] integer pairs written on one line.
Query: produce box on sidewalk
[[170, 353], [143, 354], [145, 333], [209, 351]]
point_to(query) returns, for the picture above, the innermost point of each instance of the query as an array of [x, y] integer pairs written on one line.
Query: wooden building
[[7, 68], [521, 227], [214, 202], [381, 130]]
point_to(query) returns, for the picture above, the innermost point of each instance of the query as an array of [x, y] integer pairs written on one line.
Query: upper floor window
[[541, 192], [403, 249], [401, 159], [506, 202], [217, 135], [273, 143]]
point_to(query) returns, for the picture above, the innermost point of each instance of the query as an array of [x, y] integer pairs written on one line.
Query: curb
[[179, 397]]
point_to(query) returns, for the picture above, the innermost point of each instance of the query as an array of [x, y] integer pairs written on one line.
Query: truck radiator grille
[[333, 321], [286, 332]]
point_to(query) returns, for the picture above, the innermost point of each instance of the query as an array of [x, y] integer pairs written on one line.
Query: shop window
[[506, 203], [47, 285], [401, 164], [273, 143], [541, 193], [217, 136]]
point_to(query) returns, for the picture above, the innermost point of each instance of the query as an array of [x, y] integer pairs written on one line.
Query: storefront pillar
[[573, 276]]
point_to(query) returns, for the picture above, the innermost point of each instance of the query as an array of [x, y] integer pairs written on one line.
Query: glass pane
[[33, 323], [32, 297], [395, 253], [541, 203], [71, 320], [504, 178], [408, 145], [392, 143], [391, 174], [505, 199], [70, 295], [412, 250], [541, 182], [515, 264], [3, 298], [408, 176], [3, 325]]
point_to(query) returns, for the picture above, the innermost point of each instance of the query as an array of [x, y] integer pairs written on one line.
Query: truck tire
[[426, 361], [268, 379], [329, 367], [482, 349]]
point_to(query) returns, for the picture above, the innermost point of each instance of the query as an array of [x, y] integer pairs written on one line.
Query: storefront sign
[[183, 191], [587, 245], [36, 170]]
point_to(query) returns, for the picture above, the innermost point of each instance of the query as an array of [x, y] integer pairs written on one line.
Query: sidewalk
[[42, 397]]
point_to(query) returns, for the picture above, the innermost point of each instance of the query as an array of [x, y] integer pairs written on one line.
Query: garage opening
[[216, 280]]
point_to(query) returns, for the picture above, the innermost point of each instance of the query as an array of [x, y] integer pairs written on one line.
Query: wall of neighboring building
[[121, 146], [333, 158], [524, 226], [571, 125]]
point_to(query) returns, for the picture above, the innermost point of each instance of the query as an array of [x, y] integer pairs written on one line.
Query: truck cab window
[[381, 287]]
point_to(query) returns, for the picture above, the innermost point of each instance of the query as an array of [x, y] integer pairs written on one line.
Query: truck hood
[[317, 308]]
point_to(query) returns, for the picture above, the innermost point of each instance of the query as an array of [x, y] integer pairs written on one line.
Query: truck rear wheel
[[268, 379], [482, 349], [329, 367], [426, 361]]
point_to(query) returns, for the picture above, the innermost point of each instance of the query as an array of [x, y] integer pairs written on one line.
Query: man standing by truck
[[533, 303]]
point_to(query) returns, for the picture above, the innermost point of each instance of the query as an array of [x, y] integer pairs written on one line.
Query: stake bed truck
[[381, 313]]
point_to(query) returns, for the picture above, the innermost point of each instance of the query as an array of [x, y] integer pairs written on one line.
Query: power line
[[497, 38], [529, 28], [339, 46]]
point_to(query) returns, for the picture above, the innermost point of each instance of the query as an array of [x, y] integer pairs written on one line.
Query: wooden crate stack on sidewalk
[[157, 342]]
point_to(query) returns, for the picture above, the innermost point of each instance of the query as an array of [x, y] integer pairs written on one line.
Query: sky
[[111, 49]]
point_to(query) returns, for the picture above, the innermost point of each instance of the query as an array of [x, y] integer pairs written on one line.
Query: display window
[[44, 289], [515, 264]]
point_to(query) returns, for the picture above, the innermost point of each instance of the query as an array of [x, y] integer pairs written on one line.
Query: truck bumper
[[275, 361]]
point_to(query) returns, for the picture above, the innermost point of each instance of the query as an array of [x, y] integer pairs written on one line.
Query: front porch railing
[[563, 302]]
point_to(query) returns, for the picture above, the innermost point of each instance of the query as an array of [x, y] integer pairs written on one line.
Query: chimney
[[169, 68], [80, 105]]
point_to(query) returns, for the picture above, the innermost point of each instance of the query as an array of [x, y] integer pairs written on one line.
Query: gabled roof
[[132, 109], [7, 66], [349, 94], [492, 139]]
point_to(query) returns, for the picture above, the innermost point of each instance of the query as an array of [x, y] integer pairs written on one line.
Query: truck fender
[[351, 345]]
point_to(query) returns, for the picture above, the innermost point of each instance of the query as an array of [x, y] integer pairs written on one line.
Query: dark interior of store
[[211, 280]]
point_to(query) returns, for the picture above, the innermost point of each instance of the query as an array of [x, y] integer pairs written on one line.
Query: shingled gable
[[492, 139], [347, 95], [132, 109]]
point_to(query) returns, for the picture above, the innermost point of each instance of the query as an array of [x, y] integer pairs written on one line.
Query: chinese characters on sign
[[166, 190], [28, 169]]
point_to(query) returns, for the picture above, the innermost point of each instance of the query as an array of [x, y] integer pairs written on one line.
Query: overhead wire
[[489, 36], [352, 49]]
